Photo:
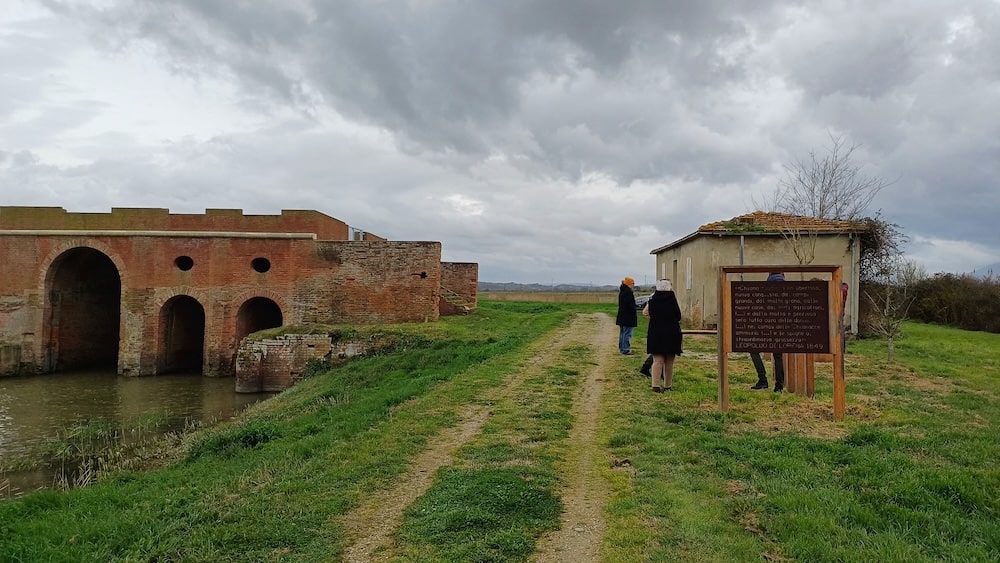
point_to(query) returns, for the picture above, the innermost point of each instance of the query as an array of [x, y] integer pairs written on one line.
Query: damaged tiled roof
[[762, 222]]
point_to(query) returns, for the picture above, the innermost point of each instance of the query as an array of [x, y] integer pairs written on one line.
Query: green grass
[[910, 475], [271, 484]]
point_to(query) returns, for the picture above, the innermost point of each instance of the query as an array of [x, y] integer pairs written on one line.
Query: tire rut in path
[[370, 525]]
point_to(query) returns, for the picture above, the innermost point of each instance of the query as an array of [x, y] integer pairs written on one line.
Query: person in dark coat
[[627, 318], [779, 365], [663, 337]]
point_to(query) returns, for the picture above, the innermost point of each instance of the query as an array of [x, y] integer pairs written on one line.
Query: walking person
[[663, 337], [779, 366], [627, 318]]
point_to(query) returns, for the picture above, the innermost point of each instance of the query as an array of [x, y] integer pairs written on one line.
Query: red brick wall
[[461, 279], [372, 282]]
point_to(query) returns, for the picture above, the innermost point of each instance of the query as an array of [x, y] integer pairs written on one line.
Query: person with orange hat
[[627, 318]]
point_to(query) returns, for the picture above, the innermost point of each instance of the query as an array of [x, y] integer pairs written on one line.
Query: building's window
[[687, 281], [260, 265], [184, 263]]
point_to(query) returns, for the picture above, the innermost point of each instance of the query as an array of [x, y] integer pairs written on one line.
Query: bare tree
[[829, 186], [801, 241], [891, 297]]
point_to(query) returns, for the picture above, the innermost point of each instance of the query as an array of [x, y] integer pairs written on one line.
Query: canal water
[[35, 409]]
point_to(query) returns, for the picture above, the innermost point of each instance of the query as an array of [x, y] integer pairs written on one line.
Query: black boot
[[644, 370], [758, 366]]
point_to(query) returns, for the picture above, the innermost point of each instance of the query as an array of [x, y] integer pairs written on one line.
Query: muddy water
[[34, 409]]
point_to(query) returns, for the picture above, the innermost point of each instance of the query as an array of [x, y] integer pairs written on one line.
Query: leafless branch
[[828, 186]]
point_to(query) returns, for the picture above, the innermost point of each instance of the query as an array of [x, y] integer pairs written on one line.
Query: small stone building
[[144, 291], [693, 262]]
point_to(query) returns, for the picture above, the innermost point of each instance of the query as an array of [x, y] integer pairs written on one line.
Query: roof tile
[[764, 222]]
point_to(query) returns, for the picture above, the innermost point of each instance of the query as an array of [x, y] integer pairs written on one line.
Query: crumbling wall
[[272, 364], [459, 287]]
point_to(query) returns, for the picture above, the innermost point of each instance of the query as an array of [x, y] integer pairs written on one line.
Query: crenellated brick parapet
[[322, 226]]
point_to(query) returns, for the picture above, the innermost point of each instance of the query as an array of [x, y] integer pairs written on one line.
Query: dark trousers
[[779, 370]]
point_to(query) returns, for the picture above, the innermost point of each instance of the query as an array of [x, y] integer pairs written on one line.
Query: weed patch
[[227, 443]]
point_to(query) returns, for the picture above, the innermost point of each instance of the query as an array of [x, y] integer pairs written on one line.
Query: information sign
[[783, 317]]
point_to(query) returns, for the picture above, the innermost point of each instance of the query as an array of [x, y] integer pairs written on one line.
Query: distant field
[[553, 296]]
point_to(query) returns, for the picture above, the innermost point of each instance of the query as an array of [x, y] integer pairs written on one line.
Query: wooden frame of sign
[[800, 319]]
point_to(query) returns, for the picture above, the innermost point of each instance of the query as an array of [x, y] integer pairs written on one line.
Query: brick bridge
[[145, 292]]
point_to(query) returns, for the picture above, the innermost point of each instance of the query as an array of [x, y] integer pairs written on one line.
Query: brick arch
[[199, 295], [231, 324], [45, 265], [156, 328], [236, 302], [185, 341], [53, 333], [239, 299]]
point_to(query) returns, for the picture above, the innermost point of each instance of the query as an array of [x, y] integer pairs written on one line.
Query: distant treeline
[[962, 301]]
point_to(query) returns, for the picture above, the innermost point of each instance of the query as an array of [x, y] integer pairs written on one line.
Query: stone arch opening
[[257, 313], [82, 325], [182, 335]]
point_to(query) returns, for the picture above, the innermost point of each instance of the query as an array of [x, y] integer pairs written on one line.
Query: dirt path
[[579, 537], [582, 526]]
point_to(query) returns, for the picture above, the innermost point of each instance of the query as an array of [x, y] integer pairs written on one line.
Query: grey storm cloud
[[574, 85]]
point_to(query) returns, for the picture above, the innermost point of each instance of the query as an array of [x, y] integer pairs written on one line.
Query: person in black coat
[[663, 337], [627, 318]]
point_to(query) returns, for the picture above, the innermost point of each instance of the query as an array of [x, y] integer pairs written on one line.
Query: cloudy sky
[[549, 141]]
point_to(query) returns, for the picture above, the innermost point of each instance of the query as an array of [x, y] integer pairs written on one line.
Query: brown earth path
[[586, 493], [370, 525]]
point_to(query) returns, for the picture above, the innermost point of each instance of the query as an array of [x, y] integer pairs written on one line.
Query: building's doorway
[[182, 335], [82, 312], [257, 313]]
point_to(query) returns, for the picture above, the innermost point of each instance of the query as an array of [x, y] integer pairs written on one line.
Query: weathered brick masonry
[[459, 287], [274, 364], [144, 291]]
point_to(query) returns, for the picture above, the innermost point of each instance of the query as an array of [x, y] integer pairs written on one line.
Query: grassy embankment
[[909, 476]]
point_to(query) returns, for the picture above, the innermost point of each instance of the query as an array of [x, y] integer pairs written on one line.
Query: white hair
[[664, 285]]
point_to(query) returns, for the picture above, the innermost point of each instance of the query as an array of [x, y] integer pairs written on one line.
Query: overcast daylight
[[551, 142]]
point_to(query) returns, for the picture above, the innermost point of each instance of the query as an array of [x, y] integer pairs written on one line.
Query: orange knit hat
[[628, 281]]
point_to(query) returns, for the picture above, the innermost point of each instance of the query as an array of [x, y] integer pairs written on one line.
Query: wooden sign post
[[800, 319]]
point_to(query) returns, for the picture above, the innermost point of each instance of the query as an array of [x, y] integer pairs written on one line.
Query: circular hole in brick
[[184, 263], [260, 264]]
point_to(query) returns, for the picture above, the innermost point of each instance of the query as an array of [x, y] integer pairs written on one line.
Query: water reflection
[[35, 409]]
